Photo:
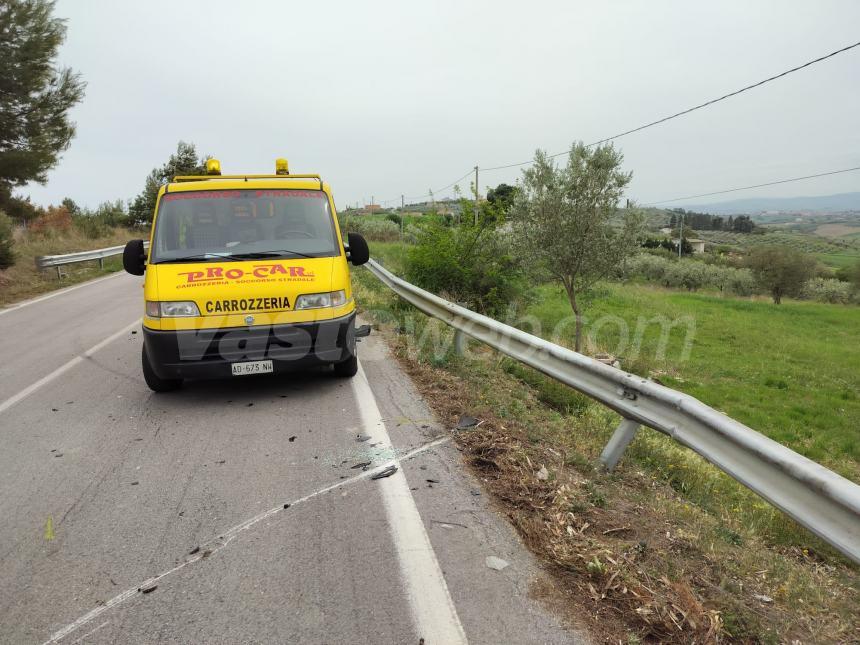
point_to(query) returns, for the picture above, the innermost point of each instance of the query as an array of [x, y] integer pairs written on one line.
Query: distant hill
[[840, 202]]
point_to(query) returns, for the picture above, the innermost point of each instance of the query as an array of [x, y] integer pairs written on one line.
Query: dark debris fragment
[[388, 472]]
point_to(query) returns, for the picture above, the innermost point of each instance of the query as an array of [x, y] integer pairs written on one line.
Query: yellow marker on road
[[49, 528]]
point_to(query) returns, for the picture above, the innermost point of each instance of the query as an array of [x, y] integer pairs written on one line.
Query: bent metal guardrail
[[819, 499], [47, 261]]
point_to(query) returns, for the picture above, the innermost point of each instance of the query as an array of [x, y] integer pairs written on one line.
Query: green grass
[[838, 260], [790, 371]]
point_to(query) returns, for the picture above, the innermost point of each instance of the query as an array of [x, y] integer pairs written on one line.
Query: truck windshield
[[197, 226]]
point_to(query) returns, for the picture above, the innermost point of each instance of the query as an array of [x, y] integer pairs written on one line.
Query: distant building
[[370, 209]]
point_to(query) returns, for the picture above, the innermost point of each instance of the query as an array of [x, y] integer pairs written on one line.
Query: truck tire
[[155, 383], [347, 368]]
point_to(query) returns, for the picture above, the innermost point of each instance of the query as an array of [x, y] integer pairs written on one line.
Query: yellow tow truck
[[245, 274]]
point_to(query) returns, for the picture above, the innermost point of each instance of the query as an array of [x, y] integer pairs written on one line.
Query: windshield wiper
[[251, 255], [256, 255], [200, 256]]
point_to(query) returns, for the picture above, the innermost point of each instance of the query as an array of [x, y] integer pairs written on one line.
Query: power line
[[692, 109], [770, 183], [440, 190]]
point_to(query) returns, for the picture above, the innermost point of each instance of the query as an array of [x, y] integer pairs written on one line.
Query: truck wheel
[[347, 368], [155, 383]]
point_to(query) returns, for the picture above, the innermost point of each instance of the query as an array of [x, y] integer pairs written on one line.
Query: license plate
[[251, 367]]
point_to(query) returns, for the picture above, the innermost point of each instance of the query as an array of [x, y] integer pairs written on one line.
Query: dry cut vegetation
[[23, 280]]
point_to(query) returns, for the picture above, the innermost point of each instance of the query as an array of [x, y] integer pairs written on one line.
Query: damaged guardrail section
[[817, 498]]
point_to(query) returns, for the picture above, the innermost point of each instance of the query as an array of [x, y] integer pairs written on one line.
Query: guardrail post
[[459, 342], [101, 263], [59, 273], [621, 438]]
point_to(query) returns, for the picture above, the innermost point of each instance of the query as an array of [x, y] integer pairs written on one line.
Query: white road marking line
[[435, 616], [62, 369], [90, 633], [58, 292], [216, 544]]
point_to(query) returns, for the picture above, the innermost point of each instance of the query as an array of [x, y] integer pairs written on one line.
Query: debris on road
[[388, 472], [286, 506], [363, 465], [135, 483], [196, 549], [448, 525], [291, 439], [58, 454], [432, 481], [496, 563], [148, 588], [222, 461], [466, 421], [362, 437], [542, 474]]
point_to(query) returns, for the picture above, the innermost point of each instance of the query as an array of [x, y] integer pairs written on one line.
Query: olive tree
[[567, 223], [780, 270]]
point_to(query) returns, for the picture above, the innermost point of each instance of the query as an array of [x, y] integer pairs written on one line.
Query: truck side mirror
[[358, 251], [134, 257]]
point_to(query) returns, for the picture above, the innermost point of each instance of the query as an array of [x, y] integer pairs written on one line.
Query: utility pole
[[680, 236], [402, 213], [476, 195], [371, 204]]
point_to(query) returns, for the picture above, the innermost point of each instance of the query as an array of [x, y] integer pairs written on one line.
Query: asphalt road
[[108, 490]]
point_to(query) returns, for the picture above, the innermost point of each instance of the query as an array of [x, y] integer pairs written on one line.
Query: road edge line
[[434, 613]]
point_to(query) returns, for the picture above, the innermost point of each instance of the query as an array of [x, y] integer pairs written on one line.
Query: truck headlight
[[319, 300], [172, 309]]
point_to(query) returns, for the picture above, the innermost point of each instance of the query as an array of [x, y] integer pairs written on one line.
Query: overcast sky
[[391, 98]]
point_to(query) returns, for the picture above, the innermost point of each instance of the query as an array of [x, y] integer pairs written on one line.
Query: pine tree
[[7, 253], [35, 95], [183, 162]]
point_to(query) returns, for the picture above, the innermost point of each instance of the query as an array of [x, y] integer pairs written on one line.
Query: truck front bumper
[[209, 353]]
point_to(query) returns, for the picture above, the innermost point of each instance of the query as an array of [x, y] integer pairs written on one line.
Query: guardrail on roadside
[[47, 261], [817, 498]]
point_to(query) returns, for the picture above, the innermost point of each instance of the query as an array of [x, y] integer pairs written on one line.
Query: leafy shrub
[[7, 252], [686, 275], [739, 281], [99, 223], [411, 233], [472, 266], [827, 290], [394, 217]]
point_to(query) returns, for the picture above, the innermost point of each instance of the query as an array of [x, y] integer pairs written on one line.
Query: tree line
[[707, 222]]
